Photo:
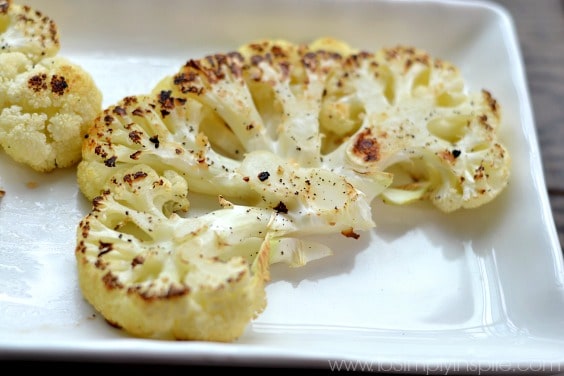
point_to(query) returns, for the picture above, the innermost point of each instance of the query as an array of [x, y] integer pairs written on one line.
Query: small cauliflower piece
[[158, 274], [46, 101], [28, 31], [47, 108]]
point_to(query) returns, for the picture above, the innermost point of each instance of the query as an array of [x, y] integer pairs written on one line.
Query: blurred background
[[540, 28]]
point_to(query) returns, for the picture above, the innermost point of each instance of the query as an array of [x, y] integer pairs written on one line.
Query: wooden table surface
[[540, 29]]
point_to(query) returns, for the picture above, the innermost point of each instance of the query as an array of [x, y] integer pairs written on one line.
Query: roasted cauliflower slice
[[256, 104], [164, 132], [401, 111], [157, 272], [265, 96]]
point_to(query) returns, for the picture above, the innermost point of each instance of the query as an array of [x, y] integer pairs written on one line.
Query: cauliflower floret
[[46, 101], [47, 108], [27, 30]]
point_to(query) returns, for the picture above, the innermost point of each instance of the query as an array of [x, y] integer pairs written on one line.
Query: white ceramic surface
[[474, 290]]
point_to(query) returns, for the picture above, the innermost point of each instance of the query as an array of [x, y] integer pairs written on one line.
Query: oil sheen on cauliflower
[[294, 140], [46, 101]]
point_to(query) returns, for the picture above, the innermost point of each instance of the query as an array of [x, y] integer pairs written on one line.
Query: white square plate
[[474, 290]]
